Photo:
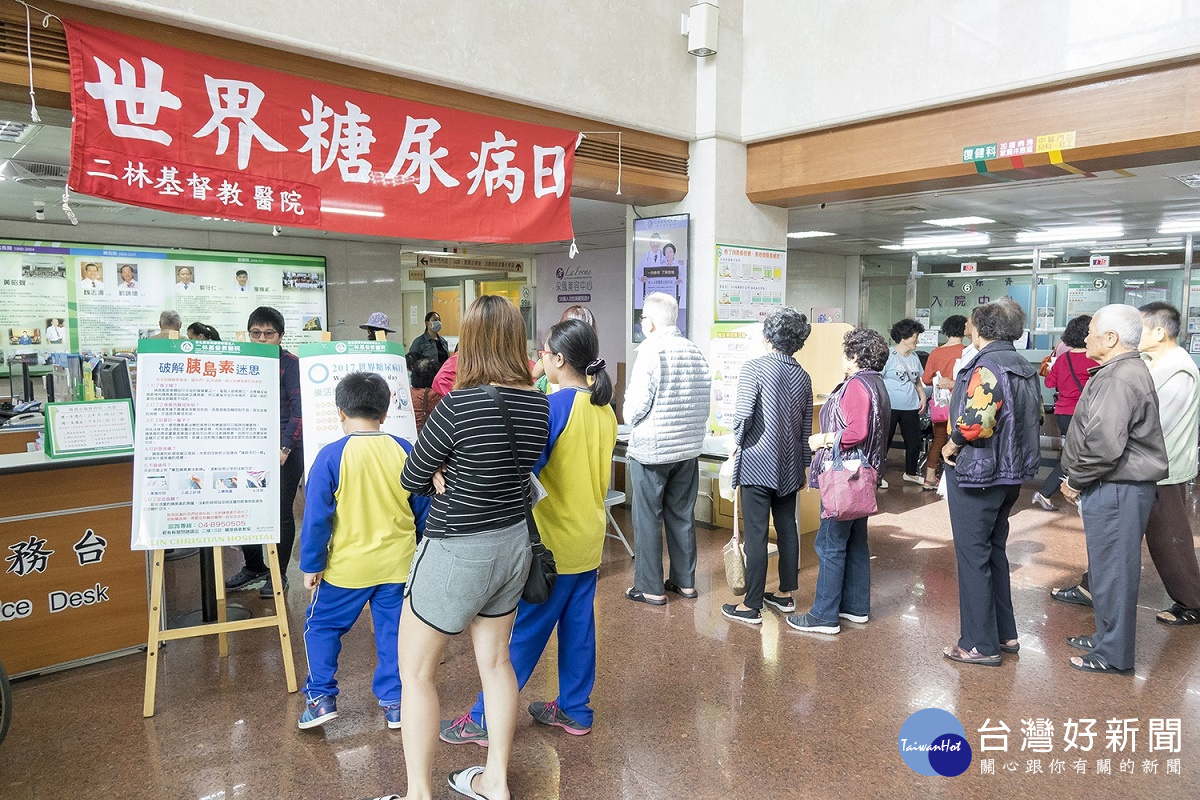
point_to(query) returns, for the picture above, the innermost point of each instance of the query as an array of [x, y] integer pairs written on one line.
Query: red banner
[[165, 128]]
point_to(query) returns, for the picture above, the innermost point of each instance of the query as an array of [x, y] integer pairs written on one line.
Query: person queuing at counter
[[422, 394], [771, 427], [377, 321], [168, 322], [575, 468], [1068, 374], [902, 375], [581, 313], [1113, 457], [470, 569], [1168, 531], [939, 370], [360, 532], [666, 402], [265, 325], [204, 333], [431, 344], [994, 447], [855, 418]]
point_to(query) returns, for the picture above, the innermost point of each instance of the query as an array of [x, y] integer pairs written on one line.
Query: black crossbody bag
[[543, 572]]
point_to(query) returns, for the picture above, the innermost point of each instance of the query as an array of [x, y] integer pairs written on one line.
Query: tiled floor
[[688, 704]]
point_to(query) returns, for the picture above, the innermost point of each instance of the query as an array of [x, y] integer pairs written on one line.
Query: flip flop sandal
[[1075, 595], [956, 653], [1094, 663], [1015, 647], [640, 597], [671, 586], [1179, 615], [1083, 643], [460, 782]]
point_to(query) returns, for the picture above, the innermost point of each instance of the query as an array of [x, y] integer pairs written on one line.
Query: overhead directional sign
[[450, 261]]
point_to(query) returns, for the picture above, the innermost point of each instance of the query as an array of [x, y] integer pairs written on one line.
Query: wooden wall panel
[[1149, 116]]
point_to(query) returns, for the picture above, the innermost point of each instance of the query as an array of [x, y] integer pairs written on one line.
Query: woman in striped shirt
[[773, 421], [470, 569]]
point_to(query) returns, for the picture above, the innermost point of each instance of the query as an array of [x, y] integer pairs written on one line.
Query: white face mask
[[436, 326]]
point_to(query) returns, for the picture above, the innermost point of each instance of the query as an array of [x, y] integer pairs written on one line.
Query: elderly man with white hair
[[666, 402], [1113, 457]]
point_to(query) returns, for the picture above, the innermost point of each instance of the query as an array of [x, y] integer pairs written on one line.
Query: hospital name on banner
[[324, 364], [160, 127], [206, 460]]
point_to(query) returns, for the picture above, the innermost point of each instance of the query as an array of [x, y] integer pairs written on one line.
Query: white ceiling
[[1139, 204], [597, 224]]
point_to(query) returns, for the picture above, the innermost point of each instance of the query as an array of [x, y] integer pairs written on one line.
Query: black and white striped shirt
[[466, 433], [773, 423]]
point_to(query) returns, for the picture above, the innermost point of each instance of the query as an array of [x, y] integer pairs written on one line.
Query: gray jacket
[[1115, 434], [667, 399]]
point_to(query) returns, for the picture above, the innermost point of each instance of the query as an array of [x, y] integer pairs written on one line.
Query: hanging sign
[[160, 127]]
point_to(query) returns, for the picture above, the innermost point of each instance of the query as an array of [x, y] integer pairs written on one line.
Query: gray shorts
[[456, 579]]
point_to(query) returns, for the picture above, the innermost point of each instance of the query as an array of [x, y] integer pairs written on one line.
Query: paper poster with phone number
[[750, 282]]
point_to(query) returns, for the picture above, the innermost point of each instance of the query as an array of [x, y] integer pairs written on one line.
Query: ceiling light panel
[[1077, 232], [959, 222], [809, 234], [941, 242]]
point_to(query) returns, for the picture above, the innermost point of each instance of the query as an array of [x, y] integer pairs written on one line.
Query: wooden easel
[[222, 627]]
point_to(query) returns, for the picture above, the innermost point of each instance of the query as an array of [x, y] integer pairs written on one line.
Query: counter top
[[39, 461]]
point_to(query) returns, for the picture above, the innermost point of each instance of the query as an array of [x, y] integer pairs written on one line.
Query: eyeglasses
[[258, 333]]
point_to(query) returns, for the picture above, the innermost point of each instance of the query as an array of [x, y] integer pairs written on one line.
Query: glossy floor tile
[[688, 704]]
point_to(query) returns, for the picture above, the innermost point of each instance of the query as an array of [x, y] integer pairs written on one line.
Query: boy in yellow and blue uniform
[[360, 532], [575, 469]]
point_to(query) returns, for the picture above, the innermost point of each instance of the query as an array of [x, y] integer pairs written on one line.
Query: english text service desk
[[71, 588]]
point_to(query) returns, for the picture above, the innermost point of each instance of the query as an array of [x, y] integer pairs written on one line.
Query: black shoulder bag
[[543, 572]]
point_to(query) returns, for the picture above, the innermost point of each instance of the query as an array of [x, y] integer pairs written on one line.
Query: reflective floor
[[688, 704]]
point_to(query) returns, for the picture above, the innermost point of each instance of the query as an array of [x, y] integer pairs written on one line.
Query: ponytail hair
[[577, 343]]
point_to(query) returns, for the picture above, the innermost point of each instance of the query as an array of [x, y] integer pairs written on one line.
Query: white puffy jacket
[[667, 399]]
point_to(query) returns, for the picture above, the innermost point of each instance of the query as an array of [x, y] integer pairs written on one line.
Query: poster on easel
[[206, 458], [323, 364], [750, 282]]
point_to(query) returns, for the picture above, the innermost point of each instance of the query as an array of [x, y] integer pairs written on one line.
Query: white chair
[[615, 498]]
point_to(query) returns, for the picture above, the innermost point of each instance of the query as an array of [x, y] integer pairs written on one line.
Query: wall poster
[[660, 256], [750, 282]]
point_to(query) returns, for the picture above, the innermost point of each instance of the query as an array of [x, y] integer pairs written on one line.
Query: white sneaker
[[883, 484], [860, 619], [1045, 504], [914, 479]]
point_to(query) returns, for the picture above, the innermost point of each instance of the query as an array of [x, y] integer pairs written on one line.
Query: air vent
[[17, 132], [1191, 181], [37, 174]]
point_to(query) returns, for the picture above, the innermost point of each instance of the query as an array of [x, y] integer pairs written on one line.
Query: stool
[[615, 498]]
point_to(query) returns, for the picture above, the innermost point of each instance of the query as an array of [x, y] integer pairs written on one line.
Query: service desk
[[71, 589]]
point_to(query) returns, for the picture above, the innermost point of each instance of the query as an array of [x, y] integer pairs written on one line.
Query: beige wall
[[817, 280]]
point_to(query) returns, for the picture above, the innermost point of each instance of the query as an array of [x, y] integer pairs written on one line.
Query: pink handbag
[[847, 485]]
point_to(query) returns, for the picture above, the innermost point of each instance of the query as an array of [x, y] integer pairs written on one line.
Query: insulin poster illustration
[[660, 256]]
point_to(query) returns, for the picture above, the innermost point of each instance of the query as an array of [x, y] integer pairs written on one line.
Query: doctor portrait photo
[[241, 280], [128, 275], [91, 275], [185, 279], [56, 331]]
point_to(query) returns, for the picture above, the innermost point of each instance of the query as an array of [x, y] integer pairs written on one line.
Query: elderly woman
[[996, 415], [771, 428], [1068, 375], [857, 418], [902, 376]]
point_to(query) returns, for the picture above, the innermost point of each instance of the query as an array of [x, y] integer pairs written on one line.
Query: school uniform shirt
[[360, 524], [575, 468]]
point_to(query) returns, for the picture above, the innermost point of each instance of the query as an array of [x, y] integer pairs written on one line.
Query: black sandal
[[1178, 615], [1075, 595], [1083, 643], [1094, 663], [640, 597], [671, 586]]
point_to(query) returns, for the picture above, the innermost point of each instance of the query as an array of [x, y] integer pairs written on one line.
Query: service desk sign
[[323, 364], [750, 282], [206, 463], [95, 428]]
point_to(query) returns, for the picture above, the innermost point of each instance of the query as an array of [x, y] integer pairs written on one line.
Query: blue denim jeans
[[844, 574]]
